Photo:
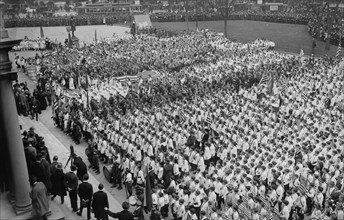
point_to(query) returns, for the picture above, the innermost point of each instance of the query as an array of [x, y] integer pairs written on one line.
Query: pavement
[[58, 143]]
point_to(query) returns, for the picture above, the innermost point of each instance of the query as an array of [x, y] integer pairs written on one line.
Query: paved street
[[58, 144]]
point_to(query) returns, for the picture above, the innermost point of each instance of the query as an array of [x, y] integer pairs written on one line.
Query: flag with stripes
[[89, 110], [304, 95], [265, 202], [56, 104], [276, 210], [339, 50], [182, 116], [283, 85], [208, 120], [244, 211], [266, 79], [302, 188]]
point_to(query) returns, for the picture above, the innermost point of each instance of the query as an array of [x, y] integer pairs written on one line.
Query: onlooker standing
[[72, 184], [85, 192], [99, 202], [81, 167], [53, 165], [59, 184], [123, 215], [40, 200]]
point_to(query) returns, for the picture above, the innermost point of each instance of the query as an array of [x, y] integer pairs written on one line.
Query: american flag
[[339, 50], [304, 95], [245, 211], [265, 202], [302, 188], [56, 104], [89, 111], [208, 120], [283, 85], [266, 80], [182, 116], [276, 210]]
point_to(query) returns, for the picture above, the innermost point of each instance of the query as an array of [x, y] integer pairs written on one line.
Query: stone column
[[10, 131]]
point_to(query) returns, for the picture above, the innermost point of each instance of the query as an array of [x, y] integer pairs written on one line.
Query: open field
[[84, 33], [288, 37]]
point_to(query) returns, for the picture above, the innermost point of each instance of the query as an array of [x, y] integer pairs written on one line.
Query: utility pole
[[329, 29], [187, 14], [226, 8], [196, 15]]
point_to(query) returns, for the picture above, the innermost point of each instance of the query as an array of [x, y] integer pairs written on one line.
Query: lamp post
[[68, 28], [196, 15], [225, 15]]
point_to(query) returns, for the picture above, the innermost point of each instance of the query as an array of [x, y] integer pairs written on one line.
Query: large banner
[[142, 21], [32, 72]]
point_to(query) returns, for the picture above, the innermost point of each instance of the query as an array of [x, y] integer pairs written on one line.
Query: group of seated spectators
[[65, 20], [227, 130], [257, 15]]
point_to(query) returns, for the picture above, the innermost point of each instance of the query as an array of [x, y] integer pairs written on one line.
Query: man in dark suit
[[168, 172], [72, 183], [123, 215], [81, 167], [99, 202], [85, 192]]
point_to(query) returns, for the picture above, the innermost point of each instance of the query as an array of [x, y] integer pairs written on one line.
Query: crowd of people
[[34, 44], [227, 130], [48, 180], [65, 20], [320, 30], [256, 15], [32, 104]]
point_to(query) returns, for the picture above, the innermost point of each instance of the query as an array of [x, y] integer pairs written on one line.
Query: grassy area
[[288, 37]]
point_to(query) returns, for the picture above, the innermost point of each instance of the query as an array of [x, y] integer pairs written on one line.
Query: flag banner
[[339, 49], [266, 81], [208, 120], [182, 116], [265, 202], [244, 211], [283, 85], [302, 188], [304, 95]]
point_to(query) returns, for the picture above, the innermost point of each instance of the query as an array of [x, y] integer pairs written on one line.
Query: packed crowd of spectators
[[321, 32], [219, 142], [279, 17], [65, 20]]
